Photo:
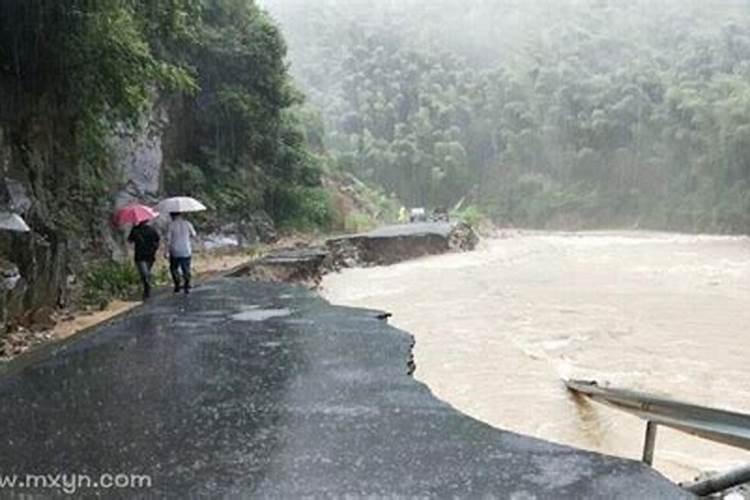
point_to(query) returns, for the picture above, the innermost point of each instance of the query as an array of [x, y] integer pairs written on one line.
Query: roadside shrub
[[471, 215], [305, 208], [358, 223], [108, 280], [184, 178]]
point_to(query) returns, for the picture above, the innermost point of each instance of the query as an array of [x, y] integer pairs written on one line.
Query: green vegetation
[[356, 206], [246, 147], [470, 215], [307, 208], [572, 113], [108, 280], [358, 223]]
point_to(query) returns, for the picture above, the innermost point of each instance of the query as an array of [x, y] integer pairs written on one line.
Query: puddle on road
[[253, 314]]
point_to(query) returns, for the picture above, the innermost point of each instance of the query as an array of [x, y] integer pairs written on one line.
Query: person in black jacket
[[146, 241]]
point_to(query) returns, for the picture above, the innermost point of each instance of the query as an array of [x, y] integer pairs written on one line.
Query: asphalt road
[[245, 390]]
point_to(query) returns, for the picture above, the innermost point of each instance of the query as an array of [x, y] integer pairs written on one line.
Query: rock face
[[398, 243], [35, 266], [47, 259], [138, 156]]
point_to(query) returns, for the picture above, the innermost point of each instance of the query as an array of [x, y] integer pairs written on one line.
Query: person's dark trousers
[[144, 270], [177, 266]]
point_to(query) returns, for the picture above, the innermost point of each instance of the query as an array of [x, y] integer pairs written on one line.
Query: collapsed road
[[387, 245], [392, 244], [246, 389]]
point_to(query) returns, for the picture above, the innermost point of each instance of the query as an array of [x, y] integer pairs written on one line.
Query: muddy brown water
[[497, 329]]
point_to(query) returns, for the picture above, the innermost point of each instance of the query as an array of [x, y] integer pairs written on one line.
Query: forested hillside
[[567, 113], [77, 76]]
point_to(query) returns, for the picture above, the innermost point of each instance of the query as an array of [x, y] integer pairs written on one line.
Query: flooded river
[[498, 328]]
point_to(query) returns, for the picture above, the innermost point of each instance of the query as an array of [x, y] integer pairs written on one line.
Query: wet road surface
[[244, 390]]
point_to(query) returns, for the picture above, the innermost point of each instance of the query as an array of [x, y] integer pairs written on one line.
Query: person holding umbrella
[[179, 235], [144, 238]]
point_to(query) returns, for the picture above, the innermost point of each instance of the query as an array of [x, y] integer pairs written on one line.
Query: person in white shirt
[[179, 233]]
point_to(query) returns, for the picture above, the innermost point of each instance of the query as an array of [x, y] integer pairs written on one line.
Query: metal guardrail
[[722, 426], [727, 427]]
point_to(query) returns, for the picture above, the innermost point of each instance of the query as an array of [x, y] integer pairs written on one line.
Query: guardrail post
[[650, 443]]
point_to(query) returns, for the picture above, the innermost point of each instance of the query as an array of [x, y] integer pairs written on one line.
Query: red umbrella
[[134, 214]]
